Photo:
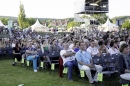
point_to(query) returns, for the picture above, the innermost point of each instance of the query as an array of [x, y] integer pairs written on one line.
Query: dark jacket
[[121, 64]]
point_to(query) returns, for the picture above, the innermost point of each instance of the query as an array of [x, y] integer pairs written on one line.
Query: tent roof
[[36, 25], [1, 24], [108, 26]]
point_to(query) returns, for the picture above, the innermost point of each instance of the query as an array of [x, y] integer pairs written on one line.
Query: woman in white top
[[113, 49]]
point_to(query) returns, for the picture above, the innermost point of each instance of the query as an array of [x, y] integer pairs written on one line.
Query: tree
[[21, 16], [126, 24], [100, 17], [86, 16], [4, 20], [50, 25], [31, 21], [111, 21], [25, 23], [72, 24], [121, 18], [28, 22]]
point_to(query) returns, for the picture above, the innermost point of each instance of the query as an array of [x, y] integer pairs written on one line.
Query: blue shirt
[[83, 56]]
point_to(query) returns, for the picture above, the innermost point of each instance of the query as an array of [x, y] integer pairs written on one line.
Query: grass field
[[15, 75]]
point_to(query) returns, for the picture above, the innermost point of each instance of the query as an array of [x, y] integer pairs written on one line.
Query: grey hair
[[64, 44]]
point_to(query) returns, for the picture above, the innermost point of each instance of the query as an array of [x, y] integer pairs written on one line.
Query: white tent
[[82, 25], [37, 25], [1, 24], [108, 26]]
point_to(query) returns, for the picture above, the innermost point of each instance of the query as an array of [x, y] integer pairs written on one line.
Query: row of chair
[[106, 60], [109, 63]]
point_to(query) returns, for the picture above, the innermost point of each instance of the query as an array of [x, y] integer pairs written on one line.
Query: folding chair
[[30, 60], [124, 82], [111, 62], [3, 52], [104, 60], [111, 66], [10, 52], [62, 69], [105, 56], [21, 62], [0, 52], [43, 63], [100, 61], [27, 62], [7, 51], [95, 56], [97, 61], [17, 61], [54, 57], [115, 55]]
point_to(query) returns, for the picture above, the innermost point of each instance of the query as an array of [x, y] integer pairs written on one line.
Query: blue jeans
[[31, 58], [70, 65]]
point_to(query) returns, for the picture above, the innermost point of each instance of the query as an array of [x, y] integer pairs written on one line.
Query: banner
[[10, 25]]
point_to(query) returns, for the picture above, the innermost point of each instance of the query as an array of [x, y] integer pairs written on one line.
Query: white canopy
[[37, 25], [82, 25], [79, 6], [1, 24], [108, 26]]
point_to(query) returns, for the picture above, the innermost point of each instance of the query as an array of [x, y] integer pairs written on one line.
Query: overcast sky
[[56, 8]]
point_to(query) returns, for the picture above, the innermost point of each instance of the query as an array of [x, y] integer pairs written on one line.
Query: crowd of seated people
[[75, 51]]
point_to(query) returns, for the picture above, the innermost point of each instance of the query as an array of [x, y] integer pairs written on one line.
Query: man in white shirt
[[68, 57]]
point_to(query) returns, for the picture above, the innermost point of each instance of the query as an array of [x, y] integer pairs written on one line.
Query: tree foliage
[[126, 24], [100, 17], [23, 21], [31, 21], [72, 24], [28, 22], [50, 25], [4, 20], [120, 18], [21, 16]]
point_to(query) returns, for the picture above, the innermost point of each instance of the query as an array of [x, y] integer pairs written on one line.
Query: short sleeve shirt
[[83, 56]]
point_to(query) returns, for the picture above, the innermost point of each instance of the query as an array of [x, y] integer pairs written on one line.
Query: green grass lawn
[[15, 75]]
